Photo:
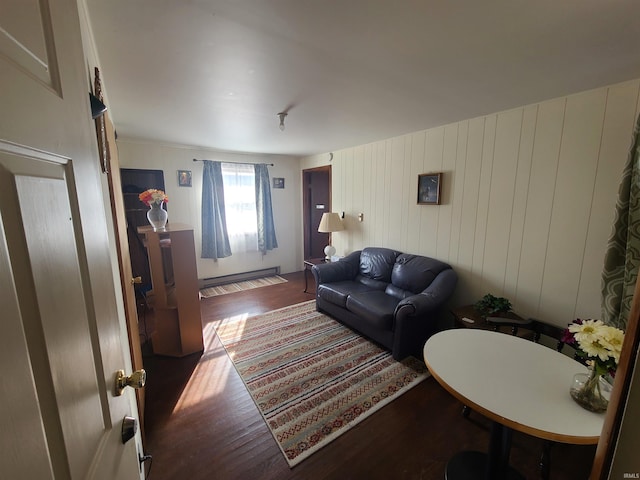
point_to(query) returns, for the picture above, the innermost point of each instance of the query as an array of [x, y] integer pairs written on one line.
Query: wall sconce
[[282, 116], [97, 107]]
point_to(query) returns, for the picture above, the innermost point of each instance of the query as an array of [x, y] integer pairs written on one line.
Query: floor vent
[[238, 277]]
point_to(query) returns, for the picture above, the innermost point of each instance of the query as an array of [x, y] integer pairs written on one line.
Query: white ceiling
[[215, 73]]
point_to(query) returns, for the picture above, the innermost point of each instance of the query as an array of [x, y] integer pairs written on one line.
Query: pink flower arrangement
[[153, 196]]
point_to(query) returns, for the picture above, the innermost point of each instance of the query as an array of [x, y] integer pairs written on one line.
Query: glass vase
[[157, 216], [590, 391]]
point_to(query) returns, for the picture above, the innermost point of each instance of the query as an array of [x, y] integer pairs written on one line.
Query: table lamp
[[329, 223]]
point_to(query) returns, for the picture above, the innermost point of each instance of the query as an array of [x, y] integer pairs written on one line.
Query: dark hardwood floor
[[201, 423]]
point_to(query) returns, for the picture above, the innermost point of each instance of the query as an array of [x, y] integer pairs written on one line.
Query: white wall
[[527, 200], [184, 202]]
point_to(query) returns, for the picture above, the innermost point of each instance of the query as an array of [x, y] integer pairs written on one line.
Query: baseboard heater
[[238, 277]]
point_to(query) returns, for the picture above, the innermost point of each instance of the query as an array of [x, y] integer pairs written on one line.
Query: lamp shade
[[330, 222]]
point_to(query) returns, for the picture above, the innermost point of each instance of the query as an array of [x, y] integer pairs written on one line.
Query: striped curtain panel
[[622, 258]]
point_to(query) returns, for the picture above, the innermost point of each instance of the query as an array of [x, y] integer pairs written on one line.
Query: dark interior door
[[317, 200], [134, 182]]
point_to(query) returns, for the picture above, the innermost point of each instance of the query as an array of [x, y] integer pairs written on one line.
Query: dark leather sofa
[[392, 298]]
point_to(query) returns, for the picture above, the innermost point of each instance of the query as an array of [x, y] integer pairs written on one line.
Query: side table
[[468, 317], [308, 264]]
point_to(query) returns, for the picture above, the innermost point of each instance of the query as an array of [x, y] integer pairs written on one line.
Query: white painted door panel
[[61, 341]]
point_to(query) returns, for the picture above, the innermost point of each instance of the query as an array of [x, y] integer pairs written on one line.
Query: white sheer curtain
[[240, 206]]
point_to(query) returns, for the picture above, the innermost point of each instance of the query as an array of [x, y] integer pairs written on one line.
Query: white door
[[61, 338]]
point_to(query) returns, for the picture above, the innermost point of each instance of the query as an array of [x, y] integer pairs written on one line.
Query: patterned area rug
[[311, 377], [239, 286]]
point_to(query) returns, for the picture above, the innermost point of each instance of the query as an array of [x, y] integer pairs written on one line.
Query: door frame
[[618, 404], [124, 262], [306, 205]]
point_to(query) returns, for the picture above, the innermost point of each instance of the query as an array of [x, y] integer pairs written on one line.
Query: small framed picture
[[278, 182], [184, 178], [429, 188]]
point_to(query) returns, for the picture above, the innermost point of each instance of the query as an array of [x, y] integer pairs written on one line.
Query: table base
[[472, 466]]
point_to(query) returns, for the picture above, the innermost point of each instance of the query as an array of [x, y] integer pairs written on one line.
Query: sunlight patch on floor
[[233, 334], [212, 372]]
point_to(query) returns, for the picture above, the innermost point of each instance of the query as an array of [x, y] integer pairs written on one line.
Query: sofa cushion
[[415, 273], [398, 292], [371, 283], [337, 292], [377, 263], [375, 307]]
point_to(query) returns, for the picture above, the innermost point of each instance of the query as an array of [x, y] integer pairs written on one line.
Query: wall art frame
[[184, 178], [429, 188]]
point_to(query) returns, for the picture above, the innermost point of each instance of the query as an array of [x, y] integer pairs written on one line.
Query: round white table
[[519, 384]]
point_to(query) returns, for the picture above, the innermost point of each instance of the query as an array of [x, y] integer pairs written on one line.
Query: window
[[240, 206], [236, 209]]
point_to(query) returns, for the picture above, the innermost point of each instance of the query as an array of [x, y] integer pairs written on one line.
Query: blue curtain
[[215, 239], [266, 230]]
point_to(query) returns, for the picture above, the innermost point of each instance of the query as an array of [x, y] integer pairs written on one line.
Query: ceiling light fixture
[[282, 115]]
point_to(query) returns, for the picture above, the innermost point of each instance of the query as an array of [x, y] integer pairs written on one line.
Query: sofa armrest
[[416, 317], [344, 269], [431, 297]]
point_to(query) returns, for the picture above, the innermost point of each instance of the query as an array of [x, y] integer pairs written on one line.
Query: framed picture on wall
[[278, 182], [429, 188], [184, 178]]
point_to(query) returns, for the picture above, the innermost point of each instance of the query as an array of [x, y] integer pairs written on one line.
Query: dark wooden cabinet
[[134, 182]]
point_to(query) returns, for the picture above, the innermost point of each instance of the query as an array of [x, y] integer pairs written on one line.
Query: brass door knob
[[135, 280], [136, 380]]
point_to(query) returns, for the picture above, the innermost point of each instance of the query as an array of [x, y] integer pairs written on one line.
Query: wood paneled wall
[[528, 197]]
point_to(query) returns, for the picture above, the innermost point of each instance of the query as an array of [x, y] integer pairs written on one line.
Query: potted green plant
[[490, 305]]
